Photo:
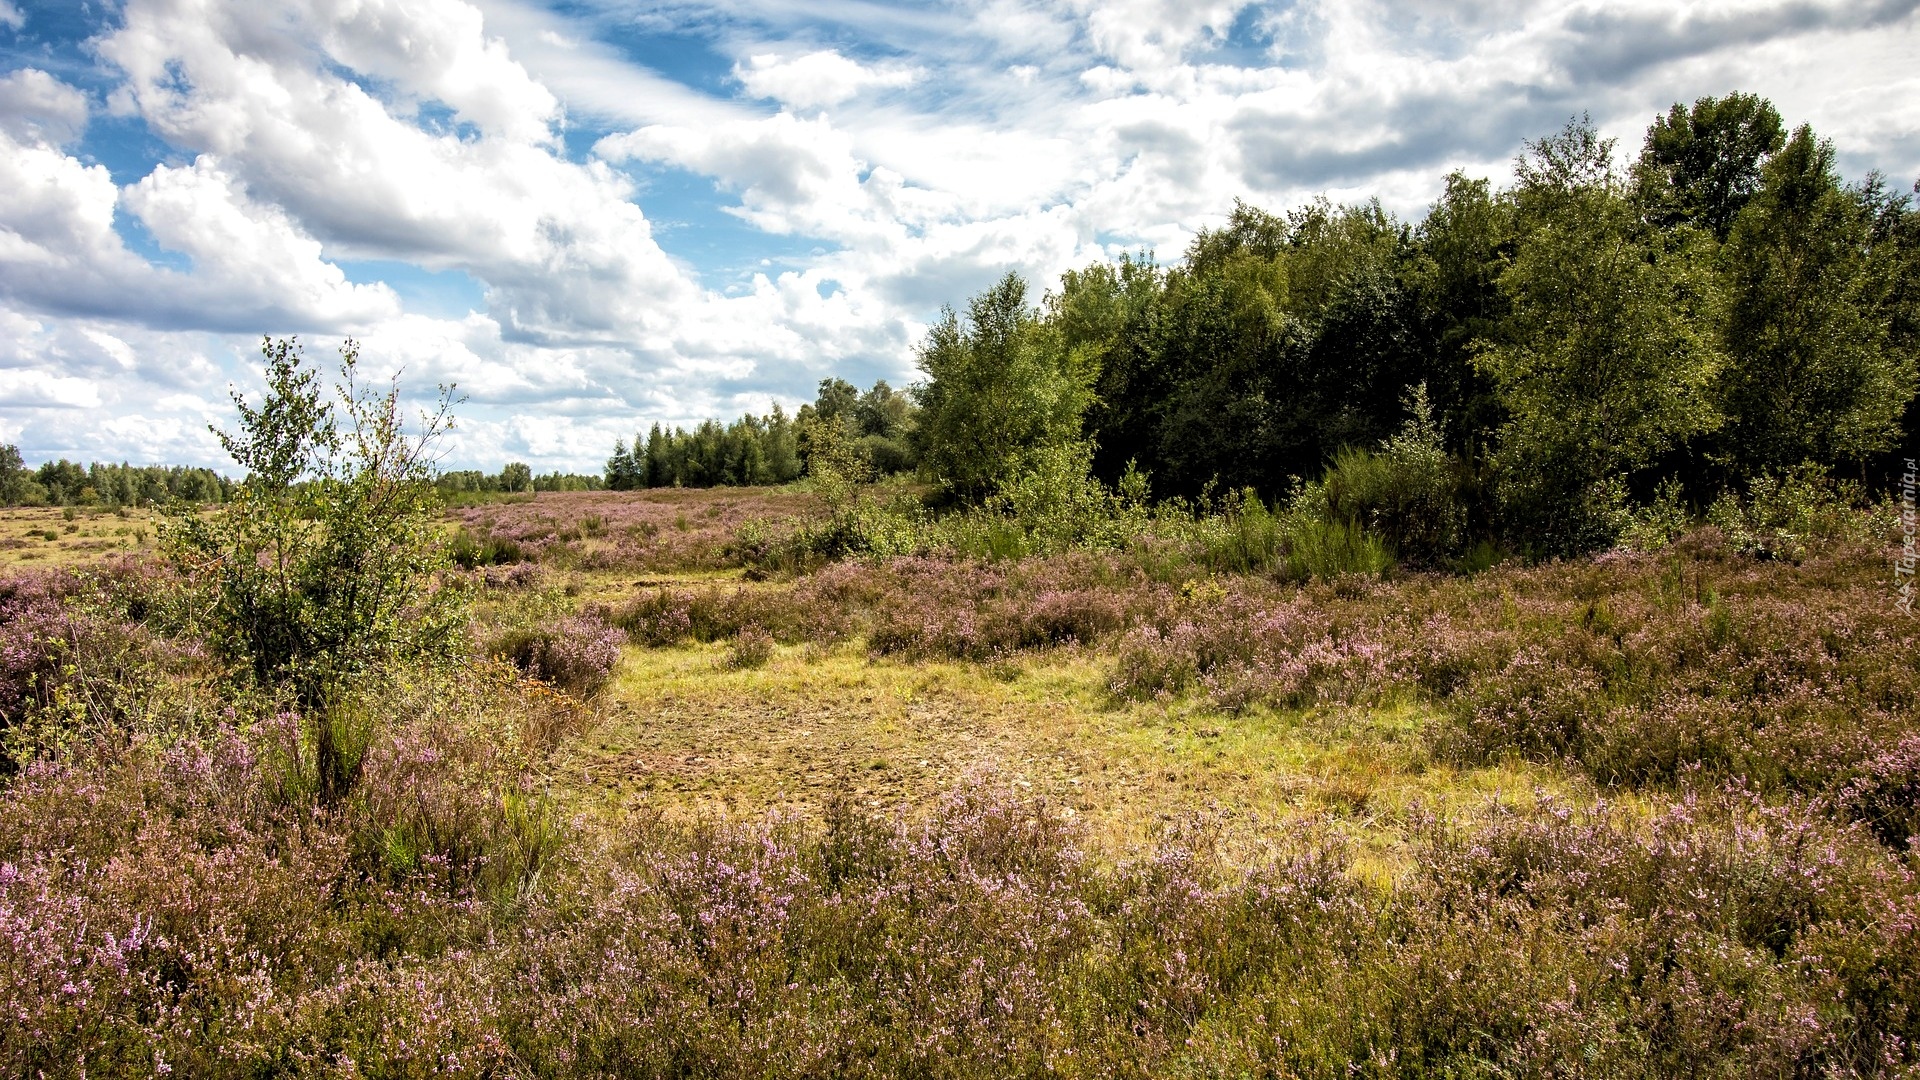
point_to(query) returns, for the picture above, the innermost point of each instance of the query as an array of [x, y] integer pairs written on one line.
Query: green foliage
[[65, 483], [1791, 515], [318, 576], [1407, 492], [1700, 166], [1656, 525], [1813, 375], [516, 479], [469, 552], [1002, 392], [1322, 550], [13, 476], [1607, 357], [751, 450], [1726, 308], [1252, 541]]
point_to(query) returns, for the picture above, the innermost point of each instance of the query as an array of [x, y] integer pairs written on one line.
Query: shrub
[[319, 573], [578, 654], [1791, 516], [1251, 540], [1886, 795], [1659, 523], [470, 552], [752, 647], [1406, 492], [1324, 550]]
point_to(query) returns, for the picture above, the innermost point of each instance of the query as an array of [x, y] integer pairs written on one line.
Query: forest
[[1582, 341]]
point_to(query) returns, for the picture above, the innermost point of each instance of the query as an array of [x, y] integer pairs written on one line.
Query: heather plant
[[86, 655], [164, 911], [1885, 795], [577, 654], [752, 647]]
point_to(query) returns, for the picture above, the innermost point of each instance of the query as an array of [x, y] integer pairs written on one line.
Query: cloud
[[565, 253], [815, 79], [36, 108], [44, 389], [255, 257], [1156, 33], [10, 16]]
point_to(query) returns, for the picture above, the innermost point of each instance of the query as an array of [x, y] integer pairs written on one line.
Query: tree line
[[877, 426], [65, 483], [1723, 308]]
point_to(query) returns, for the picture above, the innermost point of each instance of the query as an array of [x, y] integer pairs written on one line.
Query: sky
[[595, 215]]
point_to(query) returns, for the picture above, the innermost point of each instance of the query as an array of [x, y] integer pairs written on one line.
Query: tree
[[1814, 375], [1607, 357], [1463, 246], [1000, 389], [319, 575], [837, 401], [516, 477], [625, 471], [1700, 166], [13, 476]]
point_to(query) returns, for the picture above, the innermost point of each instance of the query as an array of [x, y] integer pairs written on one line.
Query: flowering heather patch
[[655, 531], [78, 658], [577, 654], [1635, 668], [36, 630], [915, 606], [165, 910]]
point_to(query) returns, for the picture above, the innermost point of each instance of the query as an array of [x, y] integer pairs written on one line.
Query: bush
[[578, 654], [1407, 492], [470, 552], [1250, 541], [1792, 516], [752, 647], [1325, 550], [1659, 523]]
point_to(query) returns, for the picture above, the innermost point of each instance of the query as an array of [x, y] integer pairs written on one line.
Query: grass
[[45, 537], [683, 734]]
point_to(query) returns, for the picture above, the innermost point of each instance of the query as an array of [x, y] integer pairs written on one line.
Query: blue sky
[[599, 214]]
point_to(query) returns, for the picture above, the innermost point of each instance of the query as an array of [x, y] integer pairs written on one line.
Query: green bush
[[470, 552], [1407, 491], [1325, 550], [1789, 517], [1251, 539], [1659, 523], [319, 574]]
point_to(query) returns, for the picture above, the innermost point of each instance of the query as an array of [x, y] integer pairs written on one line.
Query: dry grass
[[44, 536], [683, 734]]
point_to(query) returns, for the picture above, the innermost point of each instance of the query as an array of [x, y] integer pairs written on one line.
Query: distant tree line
[[65, 483], [517, 477], [773, 449], [1723, 309]]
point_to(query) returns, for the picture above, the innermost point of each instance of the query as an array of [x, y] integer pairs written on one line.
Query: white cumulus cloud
[[815, 79]]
